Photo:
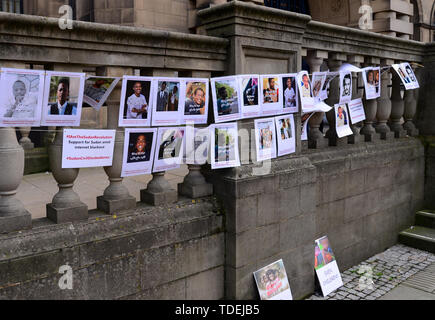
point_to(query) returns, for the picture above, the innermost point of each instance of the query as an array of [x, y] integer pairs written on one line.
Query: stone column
[[116, 197], [316, 140], [13, 216], [194, 185], [370, 108], [159, 191], [66, 205], [410, 111], [335, 61], [356, 60], [398, 107], [384, 104], [25, 141]]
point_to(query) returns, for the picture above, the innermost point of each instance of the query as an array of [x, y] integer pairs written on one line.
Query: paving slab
[[403, 292]]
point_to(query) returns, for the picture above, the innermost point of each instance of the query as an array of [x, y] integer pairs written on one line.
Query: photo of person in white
[[23, 104], [137, 105], [341, 117], [306, 87], [289, 94]]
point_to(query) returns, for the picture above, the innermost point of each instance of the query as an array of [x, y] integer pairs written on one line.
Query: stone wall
[[153, 253]]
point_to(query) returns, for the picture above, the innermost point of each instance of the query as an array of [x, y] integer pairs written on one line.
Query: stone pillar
[[194, 185], [13, 216], [384, 104], [410, 111], [398, 107], [25, 141], [356, 60], [66, 205], [370, 108], [316, 140], [116, 197], [335, 61], [159, 191]]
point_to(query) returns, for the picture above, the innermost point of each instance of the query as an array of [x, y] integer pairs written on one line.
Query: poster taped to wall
[[168, 109], [98, 89], [195, 100], [225, 92], [169, 149], [326, 267], [224, 146], [272, 282], [342, 123], [22, 97], [285, 134], [249, 87], [290, 93], [270, 97], [265, 136], [372, 82]]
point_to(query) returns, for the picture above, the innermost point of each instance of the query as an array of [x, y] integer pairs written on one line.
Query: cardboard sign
[[87, 148], [326, 267], [272, 282]]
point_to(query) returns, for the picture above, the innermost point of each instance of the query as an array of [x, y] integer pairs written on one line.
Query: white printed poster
[[98, 89], [307, 99], [305, 119], [21, 99], [411, 75], [318, 82], [270, 97], [345, 87], [342, 123], [372, 82], [249, 87], [63, 99], [87, 148], [226, 106], [290, 93], [136, 98], [272, 282], [195, 101], [285, 134], [139, 150], [326, 267], [197, 145], [356, 111], [170, 147], [265, 136], [324, 92], [224, 146], [168, 109], [407, 75]]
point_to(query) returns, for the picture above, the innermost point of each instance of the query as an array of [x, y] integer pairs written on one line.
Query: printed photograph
[[168, 96], [21, 95], [266, 131], [171, 144], [63, 96], [225, 145], [270, 90], [317, 85], [342, 116], [140, 146], [346, 86], [227, 97], [305, 86], [136, 101], [98, 89], [323, 253], [250, 91], [290, 97], [285, 129], [195, 103], [272, 281]]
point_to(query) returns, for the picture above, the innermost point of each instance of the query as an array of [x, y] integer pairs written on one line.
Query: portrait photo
[[135, 108], [195, 101], [139, 149], [64, 98], [342, 121], [305, 86], [272, 282], [265, 134], [98, 89], [323, 253], [270, 95], [409, 72], [21, 97], [224, 146], [290, 101], [345, 87], [226, 99], [250, 91], [285, 135], [270, 90], [372, 82]]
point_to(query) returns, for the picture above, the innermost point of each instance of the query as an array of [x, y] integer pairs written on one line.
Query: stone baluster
[[356, 60], [410, 111], [370, 108], [194, 185], [66, 205], [335, 61], [13, 216], [384, 104], [25, 141], [159, 191], [316, 140], [398, 107], [116, 196]]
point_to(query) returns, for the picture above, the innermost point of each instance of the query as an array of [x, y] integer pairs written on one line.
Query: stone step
[[419, 237], [425, 218]]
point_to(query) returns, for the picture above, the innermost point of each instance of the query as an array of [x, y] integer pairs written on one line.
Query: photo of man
[[63, 105], [162, 97], [347, 83], [250, 92], [341, 117], [410, 73], [404, 76], [168, 96], [195, 98], [140, 145], [370, 78], [306, 87], [137, 103], [270, 90], [227, 100], [290, 92], [21, 103]]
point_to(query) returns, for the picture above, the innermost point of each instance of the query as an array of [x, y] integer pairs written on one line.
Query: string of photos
[[154, 109]]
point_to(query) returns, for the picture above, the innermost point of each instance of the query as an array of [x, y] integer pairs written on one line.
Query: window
[[12, 6], [299, 6]]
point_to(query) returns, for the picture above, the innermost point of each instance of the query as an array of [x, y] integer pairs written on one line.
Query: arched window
[[416, 21], [299, 6]]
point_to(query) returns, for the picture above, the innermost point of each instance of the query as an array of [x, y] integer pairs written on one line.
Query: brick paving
[[387, 270]]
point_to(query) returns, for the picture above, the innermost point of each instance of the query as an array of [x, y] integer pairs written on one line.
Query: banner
[[87, 148], [272, 282], [326, 267]]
